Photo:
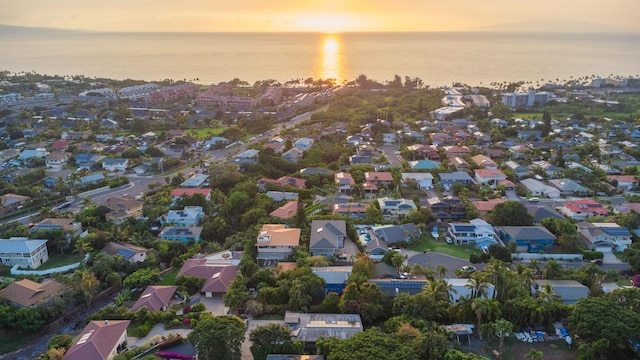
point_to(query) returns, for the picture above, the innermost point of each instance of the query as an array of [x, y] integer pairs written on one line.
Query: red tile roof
[[487, 205], [217, 277], [97, 340], [286, 211], [26, 292], [587, 205], [155, 297], [378, 176]]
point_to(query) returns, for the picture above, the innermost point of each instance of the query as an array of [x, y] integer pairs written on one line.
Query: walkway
[[158, 329]]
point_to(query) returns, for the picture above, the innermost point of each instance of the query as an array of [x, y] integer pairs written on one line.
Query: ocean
[[438, 58]]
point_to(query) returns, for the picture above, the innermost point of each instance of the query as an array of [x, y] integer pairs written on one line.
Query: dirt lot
[[556, 350]]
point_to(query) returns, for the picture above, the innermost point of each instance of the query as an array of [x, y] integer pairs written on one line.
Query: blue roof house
[[531, 239]]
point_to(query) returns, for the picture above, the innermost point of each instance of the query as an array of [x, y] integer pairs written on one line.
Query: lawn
[[56, 260], [169, 278], [552, 350], [206, 133], [12, 341], [427, 243]]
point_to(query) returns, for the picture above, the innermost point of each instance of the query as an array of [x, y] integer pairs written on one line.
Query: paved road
[[390, 152], [432, 259]]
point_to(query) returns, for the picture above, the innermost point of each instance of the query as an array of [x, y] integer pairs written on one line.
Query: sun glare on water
[[331, 62]]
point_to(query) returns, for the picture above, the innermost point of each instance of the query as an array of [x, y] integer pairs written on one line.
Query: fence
[[59, 269], [548, 256]]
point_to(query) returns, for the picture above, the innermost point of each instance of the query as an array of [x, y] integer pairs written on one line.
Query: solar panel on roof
[[616, 231], [465, 228], [125, 253]]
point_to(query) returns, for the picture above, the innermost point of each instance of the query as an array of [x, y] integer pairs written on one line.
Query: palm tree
[[439, 290], [546, 294], [477, 285], [88, 202], [502, 328], [487, 309], [534, 354], [441, 270], [552, 269]]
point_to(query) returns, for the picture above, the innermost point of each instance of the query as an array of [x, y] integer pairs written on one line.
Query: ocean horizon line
[[30, 29]]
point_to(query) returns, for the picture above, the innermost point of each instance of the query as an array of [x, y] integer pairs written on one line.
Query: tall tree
[[218, 337], [510, 213], [486, 309]]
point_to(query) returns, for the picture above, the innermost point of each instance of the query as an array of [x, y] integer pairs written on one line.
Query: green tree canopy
[[510, 213], [218, 337], [372, 344]]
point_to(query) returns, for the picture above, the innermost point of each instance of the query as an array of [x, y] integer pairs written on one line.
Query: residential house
[[277, 242], [180, 192], [103, 138], [626, 208], [92, 178], [115, 164], [424, 165], [550, 170], [569, 187], [88, 160], [335, 277], [27, 154], [75, 135], [389, 138], [68, 226], [176, 151], [195, 181], [540, 212], [24, 252], [131, 253], [529, 134], [393, 209], [155, 298], [57, 160], [476, 232], [60, 145], [247, 157], [297, 183], [484, 207], [458, 177], [286, 211], [463, 288], [100, 340], [570, 291], [458, 163], [309, 327], [278, 196], [189, 216], [354, 210], [461, 136], [344, 182], [218, 275], [489, 177], [427, 152], [396, 234], [12, 202], [88, 147], [605, 237], [303, 144], [380, 179], [538, 188], [519, 170], [376, 247], [582, 209], [423, 180], [440, 139], [484, 162], [623, 182], [181, 233], [360, 160], [292, 155], [123, 208], [26, 293], [216, 141], [453, 151], [8, 154], [447, 208], [327, 237], [527, 238]]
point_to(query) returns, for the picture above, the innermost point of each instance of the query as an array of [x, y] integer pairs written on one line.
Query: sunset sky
[[319, 15]]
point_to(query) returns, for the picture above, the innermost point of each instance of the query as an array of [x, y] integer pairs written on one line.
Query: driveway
[[214, 305], [246, 345], [157, 329], [431, 259]]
